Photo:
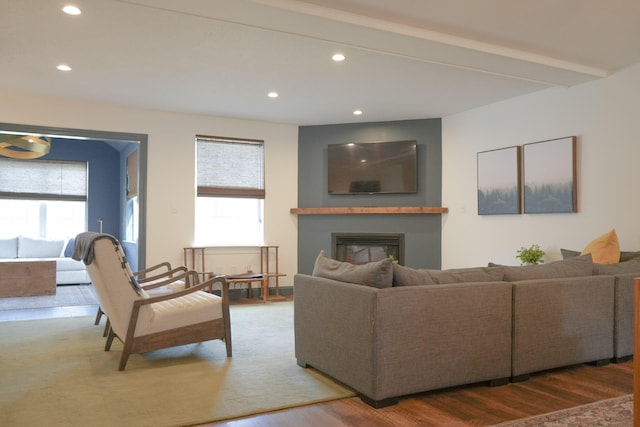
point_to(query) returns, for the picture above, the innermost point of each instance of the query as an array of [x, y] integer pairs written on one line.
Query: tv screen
[[372, 168]]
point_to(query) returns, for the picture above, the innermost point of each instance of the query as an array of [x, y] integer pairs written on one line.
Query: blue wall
[[104, 179], [422, 232]]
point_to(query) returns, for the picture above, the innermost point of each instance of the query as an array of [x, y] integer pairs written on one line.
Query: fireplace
[[360, 248]]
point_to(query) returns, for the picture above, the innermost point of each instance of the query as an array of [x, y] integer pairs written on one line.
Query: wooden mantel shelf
[[385, 210]]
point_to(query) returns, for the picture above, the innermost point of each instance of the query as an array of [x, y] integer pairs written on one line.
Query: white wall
[[170, 174], [604, 115]]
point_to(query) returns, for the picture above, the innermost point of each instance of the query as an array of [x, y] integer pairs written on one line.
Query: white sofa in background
[[68, 270]]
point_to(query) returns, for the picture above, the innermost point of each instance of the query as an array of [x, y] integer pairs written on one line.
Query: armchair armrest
[[158, 279], [166, 265]]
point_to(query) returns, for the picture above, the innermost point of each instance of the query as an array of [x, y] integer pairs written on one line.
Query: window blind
[[228, 167], [43, 179]]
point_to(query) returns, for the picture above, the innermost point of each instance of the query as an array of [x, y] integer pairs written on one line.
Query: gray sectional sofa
[[387, 330]]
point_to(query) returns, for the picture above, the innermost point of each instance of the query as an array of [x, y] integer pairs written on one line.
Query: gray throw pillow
[[572, 267], [378, 274], [630, 266], [568, 253]]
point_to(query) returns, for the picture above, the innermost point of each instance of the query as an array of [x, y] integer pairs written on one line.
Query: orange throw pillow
[[604, 249]]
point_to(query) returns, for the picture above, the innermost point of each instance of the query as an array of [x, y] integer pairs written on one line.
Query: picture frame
[[550, 177], [499, 181]]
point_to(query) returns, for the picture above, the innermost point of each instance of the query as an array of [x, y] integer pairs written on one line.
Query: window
[[42, 198], [230, 192]]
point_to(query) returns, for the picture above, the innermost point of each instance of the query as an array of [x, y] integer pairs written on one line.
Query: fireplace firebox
[[361, 248]]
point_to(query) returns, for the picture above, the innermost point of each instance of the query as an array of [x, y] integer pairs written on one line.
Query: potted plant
[[531, 255]]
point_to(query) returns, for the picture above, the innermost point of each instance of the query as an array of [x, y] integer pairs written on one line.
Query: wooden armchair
[[142, 322]]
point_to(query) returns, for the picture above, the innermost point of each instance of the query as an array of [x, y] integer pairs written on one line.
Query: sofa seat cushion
[[630, 266], [572, 267], [9, 248], [378, 274], [196, 307], [604, 249], [69, 264], [39, 248]]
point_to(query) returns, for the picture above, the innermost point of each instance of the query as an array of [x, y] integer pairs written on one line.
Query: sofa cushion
[[569, 253], [474, 274], [39, 248], [68, 250], [9, 248], [378, 274], [628, 255], [572, 267], [624, 255], [406, 276], [629, 266], [604, 249], [69, 264]]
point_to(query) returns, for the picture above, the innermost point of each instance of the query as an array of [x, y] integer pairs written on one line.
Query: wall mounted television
[[372, 168]]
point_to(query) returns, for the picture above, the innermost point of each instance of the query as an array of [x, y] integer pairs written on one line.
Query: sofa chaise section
[[391, 342]]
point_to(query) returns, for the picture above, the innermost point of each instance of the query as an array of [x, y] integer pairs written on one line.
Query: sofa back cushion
[[472, 274], [572, 267], [9, 248], [39, 248], [378, 274], [405, 276], [630, 266]]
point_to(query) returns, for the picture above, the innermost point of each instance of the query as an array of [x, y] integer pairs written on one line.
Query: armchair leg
[[98, 315], [110, 336]]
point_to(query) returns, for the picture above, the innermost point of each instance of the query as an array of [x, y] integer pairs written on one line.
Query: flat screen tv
[[372, 168]]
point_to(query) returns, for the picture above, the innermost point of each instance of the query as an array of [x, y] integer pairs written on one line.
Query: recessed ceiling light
[[357, 113], [63, 67], [71, 10], [272, 94], [338, 57]]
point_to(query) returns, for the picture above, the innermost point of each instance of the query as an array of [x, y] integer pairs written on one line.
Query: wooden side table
[[22, 278]]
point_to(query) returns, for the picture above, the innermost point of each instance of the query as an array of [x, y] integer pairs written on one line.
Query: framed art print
[[550, 176], [499, 182]]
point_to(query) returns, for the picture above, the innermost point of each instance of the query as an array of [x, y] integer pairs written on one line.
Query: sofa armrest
[[334, 328], [623, 326]]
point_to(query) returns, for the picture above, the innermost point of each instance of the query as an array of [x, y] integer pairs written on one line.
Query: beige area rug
[[55, 372], [66, 296], [615, 412]]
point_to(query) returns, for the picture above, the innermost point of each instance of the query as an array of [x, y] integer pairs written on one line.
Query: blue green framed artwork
[[499, 182], [550, 184]]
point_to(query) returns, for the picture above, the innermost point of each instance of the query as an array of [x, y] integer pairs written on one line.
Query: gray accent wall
[[422, 232]]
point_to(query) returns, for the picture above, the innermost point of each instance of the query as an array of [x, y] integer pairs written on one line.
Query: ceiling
[[405, 59]]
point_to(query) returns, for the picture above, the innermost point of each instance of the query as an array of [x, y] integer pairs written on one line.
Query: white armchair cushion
[[39, 248], [9, 248], [193, 308]]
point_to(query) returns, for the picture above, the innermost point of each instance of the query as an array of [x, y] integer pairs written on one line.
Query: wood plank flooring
[[475, 405]]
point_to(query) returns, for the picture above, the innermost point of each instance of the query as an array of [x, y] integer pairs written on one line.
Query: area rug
[[55, 372], [615, 412], [66, 296]]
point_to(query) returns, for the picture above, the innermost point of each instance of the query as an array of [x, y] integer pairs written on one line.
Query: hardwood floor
[[473, 405]]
